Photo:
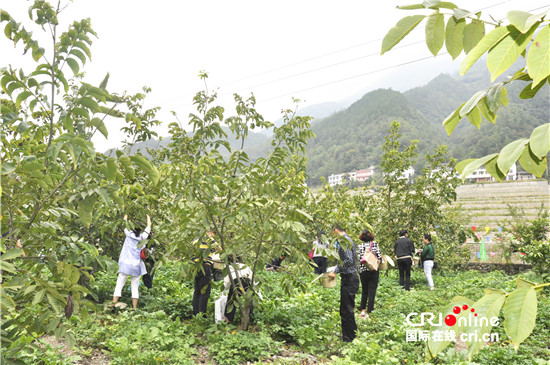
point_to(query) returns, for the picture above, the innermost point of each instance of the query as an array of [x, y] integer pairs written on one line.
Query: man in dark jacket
[[404, 251]]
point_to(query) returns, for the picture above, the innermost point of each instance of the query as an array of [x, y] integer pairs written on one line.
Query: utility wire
[[334, 64], [352, 77]]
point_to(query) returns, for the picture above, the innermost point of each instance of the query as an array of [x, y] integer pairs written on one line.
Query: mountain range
[[351, 138]]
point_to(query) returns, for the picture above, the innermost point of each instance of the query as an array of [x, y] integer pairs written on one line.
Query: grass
[[299, 327]]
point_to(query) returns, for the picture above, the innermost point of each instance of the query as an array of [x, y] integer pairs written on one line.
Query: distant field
[[486, 204]]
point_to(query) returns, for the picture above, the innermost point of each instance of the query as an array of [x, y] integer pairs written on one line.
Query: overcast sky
[[314, 50]]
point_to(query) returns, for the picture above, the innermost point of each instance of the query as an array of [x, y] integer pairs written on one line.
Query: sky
[[314, 50]]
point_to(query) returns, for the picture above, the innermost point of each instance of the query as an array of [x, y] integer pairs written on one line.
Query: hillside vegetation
[[351, 139]]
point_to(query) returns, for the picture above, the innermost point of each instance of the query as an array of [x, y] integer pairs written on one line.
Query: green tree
[[416, 204], [466, 31], [256, 208], [55, 187]]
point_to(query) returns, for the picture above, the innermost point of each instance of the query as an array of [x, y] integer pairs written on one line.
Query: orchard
[[64, 203]]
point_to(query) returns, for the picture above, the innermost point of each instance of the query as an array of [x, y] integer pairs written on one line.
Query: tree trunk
[[245, 316]]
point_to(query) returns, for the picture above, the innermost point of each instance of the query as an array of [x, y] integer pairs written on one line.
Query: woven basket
[[327, 281]]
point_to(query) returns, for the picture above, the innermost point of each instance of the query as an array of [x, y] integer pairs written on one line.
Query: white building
[[481, 175], [360, 175]]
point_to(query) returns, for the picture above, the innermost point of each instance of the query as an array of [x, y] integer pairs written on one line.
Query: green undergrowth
[[163, 330]]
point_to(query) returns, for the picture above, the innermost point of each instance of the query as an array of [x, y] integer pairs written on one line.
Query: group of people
[[132, 265], [351, 273]]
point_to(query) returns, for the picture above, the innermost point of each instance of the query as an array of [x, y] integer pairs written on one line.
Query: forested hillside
[[351, 139]]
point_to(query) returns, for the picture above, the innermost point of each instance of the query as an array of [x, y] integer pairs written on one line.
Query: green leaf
[[487, 307], [539, 141], [435, 347], [493, 170], [522, 20], [411, 7], [529, 92], [538, 58], [473, 33], [506, 52], [494, 97], [38, 297], [8, 168], [147, 167], [474, 165], [440, 5], [12, 253], [7, 266], [22, 96], [462, 164], [435, 32], [103, 84], [399, 31], [78, 54], [452, 120], [73, 65], [532, 164], [111, 168], [37, 53], [490, 291], [89, 103], [522, 283], [484, 109], [472, 102], [474, 116], [510, 154], [54, 303], [84, 48], [128, 168], [98, 123], [461, 14], [454, 33], [486, 43], [85, 208], [520, 312]]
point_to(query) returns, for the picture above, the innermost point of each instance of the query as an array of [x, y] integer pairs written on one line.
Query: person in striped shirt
[[369, 279]]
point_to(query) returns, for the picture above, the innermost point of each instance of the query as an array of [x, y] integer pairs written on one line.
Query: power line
[[352, 77], [330, 65]]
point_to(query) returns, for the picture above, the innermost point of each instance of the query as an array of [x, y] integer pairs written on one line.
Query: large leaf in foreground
[[401, 29], [435, 347], [487, 307], [520, 312]]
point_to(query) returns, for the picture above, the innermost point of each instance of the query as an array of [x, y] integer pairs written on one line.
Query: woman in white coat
[[129, 262]]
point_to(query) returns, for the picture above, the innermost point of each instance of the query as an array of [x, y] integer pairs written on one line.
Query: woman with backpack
[[369, 278], [130, 263]]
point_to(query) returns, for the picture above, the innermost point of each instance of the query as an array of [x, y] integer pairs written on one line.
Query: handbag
[[370, 260], [143, 254]]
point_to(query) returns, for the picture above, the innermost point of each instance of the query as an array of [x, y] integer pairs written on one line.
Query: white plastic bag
[[219, 308]]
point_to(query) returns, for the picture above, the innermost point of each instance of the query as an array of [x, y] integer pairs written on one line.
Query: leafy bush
[[140, 338], [239, 346]]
